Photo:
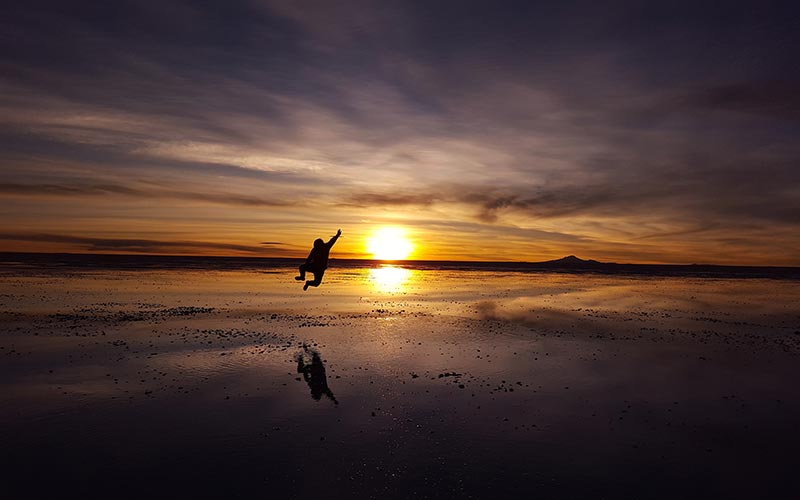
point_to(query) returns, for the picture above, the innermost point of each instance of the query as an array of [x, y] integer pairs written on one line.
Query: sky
[[650, 132]]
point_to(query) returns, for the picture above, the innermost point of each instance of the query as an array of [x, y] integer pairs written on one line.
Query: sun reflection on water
[[389, 279]]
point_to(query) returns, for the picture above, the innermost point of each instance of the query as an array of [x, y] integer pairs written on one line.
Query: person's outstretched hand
[[339, 232]]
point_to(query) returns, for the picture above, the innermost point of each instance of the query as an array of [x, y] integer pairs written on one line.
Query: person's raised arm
[[333, 240]]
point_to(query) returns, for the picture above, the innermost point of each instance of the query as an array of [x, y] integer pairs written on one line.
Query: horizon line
[[398, 261]]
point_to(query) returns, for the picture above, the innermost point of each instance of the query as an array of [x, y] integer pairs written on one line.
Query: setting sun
[[389, 243]]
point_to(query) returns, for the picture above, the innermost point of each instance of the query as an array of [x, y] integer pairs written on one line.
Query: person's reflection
[[314, 374]]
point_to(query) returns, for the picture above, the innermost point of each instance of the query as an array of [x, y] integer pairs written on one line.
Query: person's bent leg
[[302, 273], [316, 281]]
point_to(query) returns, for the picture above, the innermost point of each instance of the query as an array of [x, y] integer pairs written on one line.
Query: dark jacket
[[318, 258]]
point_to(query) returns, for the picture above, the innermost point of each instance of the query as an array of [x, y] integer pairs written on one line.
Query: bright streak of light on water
[[389, 279]]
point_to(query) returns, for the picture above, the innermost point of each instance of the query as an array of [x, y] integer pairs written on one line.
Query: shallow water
[[429, 383]]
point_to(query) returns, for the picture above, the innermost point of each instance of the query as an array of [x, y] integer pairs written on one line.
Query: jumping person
[[317, 261]]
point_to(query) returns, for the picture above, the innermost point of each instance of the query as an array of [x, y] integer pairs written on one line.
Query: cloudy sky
[[619, 131]]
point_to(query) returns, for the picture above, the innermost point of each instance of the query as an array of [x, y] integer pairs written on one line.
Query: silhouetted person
[[314, 375], [317, 261]]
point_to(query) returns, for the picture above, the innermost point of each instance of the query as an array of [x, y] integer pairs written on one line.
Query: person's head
[[318, 243]]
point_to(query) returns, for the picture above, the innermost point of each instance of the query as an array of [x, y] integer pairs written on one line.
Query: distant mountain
[[573, 262]]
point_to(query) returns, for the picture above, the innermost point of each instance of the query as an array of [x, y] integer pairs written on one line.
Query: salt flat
[[396, 383]]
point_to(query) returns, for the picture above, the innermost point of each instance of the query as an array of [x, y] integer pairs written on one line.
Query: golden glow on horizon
[[389, 279], [389, 243]]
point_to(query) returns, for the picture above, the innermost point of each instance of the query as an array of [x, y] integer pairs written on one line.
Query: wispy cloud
[[144, 245], [154, 193], [770, 98]]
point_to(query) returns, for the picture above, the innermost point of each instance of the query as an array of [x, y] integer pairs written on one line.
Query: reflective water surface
[[396, 382]]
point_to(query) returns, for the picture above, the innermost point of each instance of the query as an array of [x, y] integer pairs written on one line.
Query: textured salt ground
[[469, 385]]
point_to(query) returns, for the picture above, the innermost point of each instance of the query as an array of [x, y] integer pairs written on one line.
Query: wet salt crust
[[441, 384]]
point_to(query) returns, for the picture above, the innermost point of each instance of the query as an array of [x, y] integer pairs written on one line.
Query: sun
[[389, 243]]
